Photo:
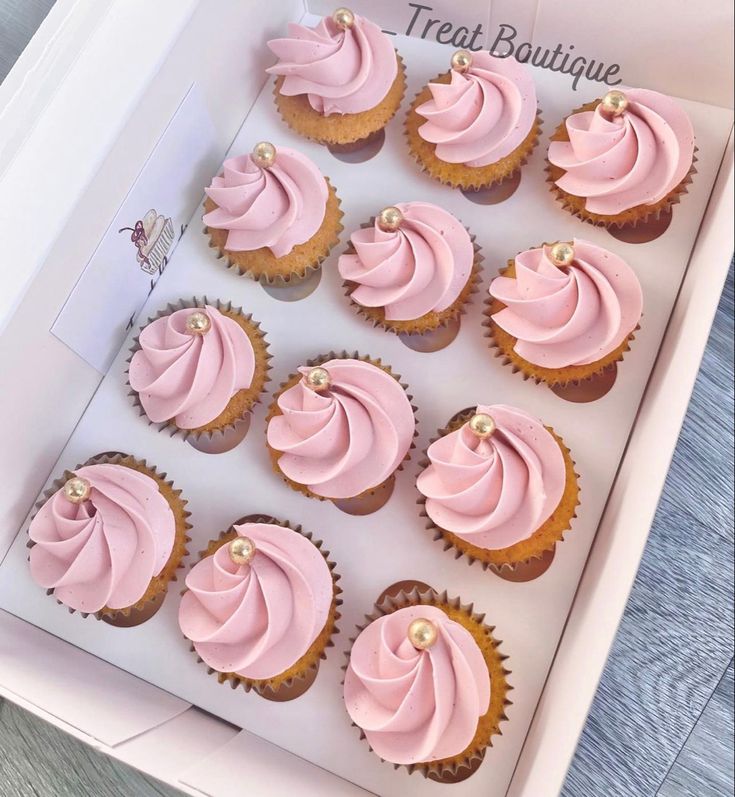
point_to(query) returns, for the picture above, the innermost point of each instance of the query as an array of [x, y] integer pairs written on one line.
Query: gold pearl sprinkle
[[318, 379], [198, 323], [461, 61], [614, 103], [242, 550], [77, 490], [482, 425], [562, 254], [389, 219], [422, 633], [264, 154], [343, 18]]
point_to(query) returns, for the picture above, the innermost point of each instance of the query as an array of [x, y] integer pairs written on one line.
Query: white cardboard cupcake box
[[117, 109]]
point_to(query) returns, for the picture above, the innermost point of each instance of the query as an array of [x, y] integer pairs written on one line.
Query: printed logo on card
[[152, 236]]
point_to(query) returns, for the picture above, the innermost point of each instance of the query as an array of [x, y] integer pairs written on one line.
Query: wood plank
[[39, 759], [676, 637], [704, 767], [19, 20]]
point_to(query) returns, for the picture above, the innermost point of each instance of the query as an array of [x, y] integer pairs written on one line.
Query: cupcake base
[[299, 677], [459, 175], [524, 554], [588, 390], [348, 131], [571, 374], [637, 216], [152, 600], [244, 400], [461, 766], [299, 264], [366, 502]]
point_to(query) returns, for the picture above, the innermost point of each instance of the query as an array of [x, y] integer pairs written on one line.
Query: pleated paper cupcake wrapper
[[440, 534], [181, 540], [415, 327], [414, 593], [345, 144], [191, 304], [479, 183], [294, 277], [560, 380], [294, 379], [298, 682], [597, 220]]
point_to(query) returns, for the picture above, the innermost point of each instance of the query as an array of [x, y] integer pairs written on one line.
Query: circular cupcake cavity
[[588, 390], [359, 151], [339, 429], [527, 571], [111, 548], [261, 606], [645, 231], [494, 194], [221, 442], [368, 502], [134, 617], [296, 289], [433, 340]]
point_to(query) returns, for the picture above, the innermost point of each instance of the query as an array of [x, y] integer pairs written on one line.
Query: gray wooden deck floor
[[662, 722]]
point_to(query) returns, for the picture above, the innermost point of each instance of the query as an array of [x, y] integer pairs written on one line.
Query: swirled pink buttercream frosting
[[187, 377], [497, 491], [278, 207], [483, 114], [104, 551], [620, 162], [416, 706], [419, 268], [341, 71], [573, 315], [347, 439], [258, 619]]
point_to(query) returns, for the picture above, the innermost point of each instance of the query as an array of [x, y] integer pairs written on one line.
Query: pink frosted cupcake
[[272, 215], [198, 367], [412, 269], [260, 607], [477, 124], [108, 538], [340, 428], [498, 486], [623, 159], [564, 313], [339, 83], [425, 683]]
